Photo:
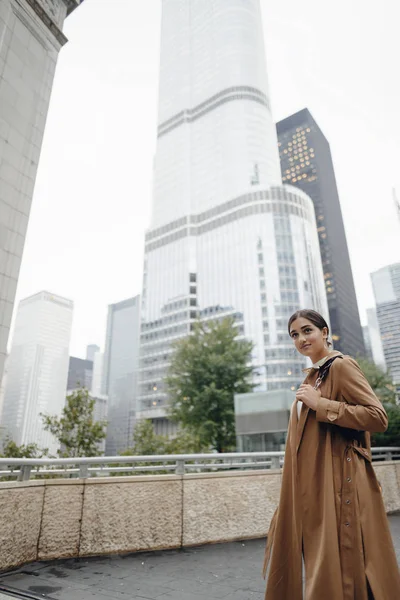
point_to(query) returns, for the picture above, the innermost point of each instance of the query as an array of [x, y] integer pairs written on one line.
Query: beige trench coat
[[331, 510]]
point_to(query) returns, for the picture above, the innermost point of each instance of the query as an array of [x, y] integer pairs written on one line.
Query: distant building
[[97, 377], [261, 420], [80, 373], [91, 350], [30, 39], [386, 284], [367, 343], [375, 339], [120, 366], [37, 368], [306, 163]]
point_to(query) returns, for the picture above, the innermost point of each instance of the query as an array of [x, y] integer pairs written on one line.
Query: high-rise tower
[[386, 285], [226, 237], [37, 368], [306, 163], [30, 40]]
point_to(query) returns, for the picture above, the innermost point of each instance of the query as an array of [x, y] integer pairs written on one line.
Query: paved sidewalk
[[230, 571]]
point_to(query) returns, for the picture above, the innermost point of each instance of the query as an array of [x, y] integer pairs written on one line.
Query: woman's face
[[309, 339]]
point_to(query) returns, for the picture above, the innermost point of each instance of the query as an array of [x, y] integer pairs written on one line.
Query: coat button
[[347, 524], [348, 459], [347, 501], [349, 479]]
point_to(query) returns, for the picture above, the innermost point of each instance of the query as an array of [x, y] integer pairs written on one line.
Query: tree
[[147, 442], [76, 430], [207, 368], [390, 437], [384, 389], [380, 381], [12, 450]]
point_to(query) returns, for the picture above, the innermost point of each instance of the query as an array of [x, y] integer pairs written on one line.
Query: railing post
[[25, 473], [180, 467], [83, 471], [275, 462], [389, 456]]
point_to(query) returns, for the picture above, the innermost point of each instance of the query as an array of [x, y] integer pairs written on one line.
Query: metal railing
[[24, 469]]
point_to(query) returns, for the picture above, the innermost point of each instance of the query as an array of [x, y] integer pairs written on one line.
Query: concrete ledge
[[58, 518]]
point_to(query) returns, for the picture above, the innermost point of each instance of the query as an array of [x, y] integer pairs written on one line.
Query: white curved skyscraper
[[226, 237]]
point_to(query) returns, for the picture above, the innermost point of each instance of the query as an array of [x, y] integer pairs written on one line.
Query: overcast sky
[[93, 193]]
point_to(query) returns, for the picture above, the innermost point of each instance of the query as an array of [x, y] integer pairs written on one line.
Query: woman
[[331, 515]]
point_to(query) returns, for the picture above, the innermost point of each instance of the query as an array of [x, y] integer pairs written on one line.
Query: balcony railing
[[24, 469]]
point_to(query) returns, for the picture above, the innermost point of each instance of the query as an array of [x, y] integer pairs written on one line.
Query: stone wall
[[44, 520]]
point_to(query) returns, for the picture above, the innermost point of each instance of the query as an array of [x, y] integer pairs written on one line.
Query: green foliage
[[76, 430], [384, 389], [390, 437], [207, 369], [146, 442], [380, 381], [11, 450]]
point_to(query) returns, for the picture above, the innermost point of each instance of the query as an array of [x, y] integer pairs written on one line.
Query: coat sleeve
[[361, 409]]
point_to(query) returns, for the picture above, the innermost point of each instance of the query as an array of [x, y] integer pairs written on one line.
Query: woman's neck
[[322, 354]]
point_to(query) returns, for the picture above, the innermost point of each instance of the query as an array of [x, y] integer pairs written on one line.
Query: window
[[192, 289], [192, 277]]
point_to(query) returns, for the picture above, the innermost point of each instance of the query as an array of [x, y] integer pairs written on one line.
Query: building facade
[[375, 339], [224, 231], [30, 40], [306, 163], [80, 373], [386, 285], [91, 351], [37, 368], [367, 343], [120, 372]]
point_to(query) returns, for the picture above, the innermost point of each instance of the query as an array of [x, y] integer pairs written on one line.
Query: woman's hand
[[307, 394]]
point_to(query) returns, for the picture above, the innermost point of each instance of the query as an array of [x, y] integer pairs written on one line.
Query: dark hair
[[311, 315]]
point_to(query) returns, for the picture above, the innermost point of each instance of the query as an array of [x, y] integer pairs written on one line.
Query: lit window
[[323, 235], [285, 152], [308, 130], [321, 229]]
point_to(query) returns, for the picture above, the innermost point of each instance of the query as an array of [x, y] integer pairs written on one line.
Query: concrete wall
[[51, 519]]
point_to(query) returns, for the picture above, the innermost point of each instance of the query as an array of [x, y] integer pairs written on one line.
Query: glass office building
[[225, 236], [306, 163]]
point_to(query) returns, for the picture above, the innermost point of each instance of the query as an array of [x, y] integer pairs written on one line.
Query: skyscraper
[[120, 371], [375, 339], [80, 373], [225, 236], [306, 163], [37, 368], [386, 285], [30, 40], [91, 351]]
